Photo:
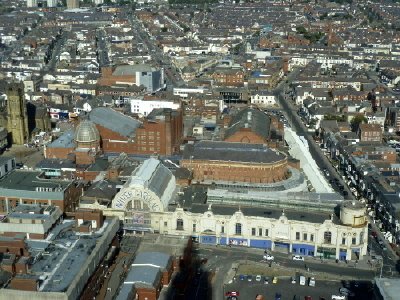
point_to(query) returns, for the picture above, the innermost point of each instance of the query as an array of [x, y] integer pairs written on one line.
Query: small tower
[[17, 123]]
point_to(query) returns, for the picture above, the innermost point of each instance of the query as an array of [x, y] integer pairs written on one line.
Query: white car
[[258, 278], [298, 257], [268, 257], [337, 297]]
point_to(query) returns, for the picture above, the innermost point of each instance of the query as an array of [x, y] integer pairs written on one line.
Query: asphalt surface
[[221, 259]]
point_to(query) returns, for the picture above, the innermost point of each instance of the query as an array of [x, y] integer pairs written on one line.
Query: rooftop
[[234, 152], [27, 184]]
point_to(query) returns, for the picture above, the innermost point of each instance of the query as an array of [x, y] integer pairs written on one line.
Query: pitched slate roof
[[254, 119], [115, 121]]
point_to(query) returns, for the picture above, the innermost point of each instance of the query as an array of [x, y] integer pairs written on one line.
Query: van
[[302, 280]]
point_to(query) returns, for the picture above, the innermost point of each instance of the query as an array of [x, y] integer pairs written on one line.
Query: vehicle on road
[[266, 280], [249, 278], [338, 297], [311, 281], [275, 280], [268, 257], [242, 277], [293, 279], [307, 298], [298, 257], [258, 278], [302, 280]]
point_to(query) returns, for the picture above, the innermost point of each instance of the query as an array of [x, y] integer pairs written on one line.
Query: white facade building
[[143, 206], [31, 3], [263, 99], [145, 107], [52, 3]]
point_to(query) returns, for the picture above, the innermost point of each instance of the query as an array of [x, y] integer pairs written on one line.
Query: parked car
[[307, 298], [278, 296], [302, 280], [266, 280], [249, 278], [258, 278], [311, 281], [268, 257], [298, 257], [338, 297], [293, 279], [242, 277], [346, 292], [275, 280]]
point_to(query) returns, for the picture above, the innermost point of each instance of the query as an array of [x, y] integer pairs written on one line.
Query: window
[[222, 229], [297, 235], [327, 237], [304, 236], [179, 224], [361, 237], [353, 241], [266, 232], [259, 231], [194, 227], [343, 241], [311, 237], [165, 224], [253, 231], [238, 229], [6, 168]]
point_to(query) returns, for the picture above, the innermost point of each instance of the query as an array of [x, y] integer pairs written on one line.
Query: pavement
[[27, 156]]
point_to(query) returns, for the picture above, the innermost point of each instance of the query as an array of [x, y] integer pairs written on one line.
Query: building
[[148, 273], [263, 99], [370, 133], [29, 187], [160, 133], [253, 126], [140, 75], [145, 107], [31, 3], [17, 116], [150, 187], [7, 164], [239, 162], [71, 4], [52, 3], [65, 266], [87, 141], [3, 138], [33, 221]]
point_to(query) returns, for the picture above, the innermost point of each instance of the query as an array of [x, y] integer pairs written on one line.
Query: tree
[[357, 120], [301, 30]]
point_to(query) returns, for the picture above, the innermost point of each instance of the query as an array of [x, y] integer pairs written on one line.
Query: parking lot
[[288, 290]]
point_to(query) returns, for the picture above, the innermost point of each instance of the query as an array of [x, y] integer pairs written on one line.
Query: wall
[[233, 171]]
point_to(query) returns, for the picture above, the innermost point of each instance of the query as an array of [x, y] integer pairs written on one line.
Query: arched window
[[327, 237], [179, 224], [238, 229]]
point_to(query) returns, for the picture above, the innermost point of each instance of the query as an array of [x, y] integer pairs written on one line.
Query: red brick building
[[161, 133], [229, 77], [370, 133], [234, 162]]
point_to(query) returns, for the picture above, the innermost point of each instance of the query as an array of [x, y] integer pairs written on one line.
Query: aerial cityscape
[[200, 149]]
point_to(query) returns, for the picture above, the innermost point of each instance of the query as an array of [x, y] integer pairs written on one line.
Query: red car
[[373, 233]]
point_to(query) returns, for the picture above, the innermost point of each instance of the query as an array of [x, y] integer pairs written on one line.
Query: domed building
[[87, 140]]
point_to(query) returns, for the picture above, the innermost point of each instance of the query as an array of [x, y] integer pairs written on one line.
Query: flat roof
[[27, 184], [64, 255], [158, 259], [194, 200]]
